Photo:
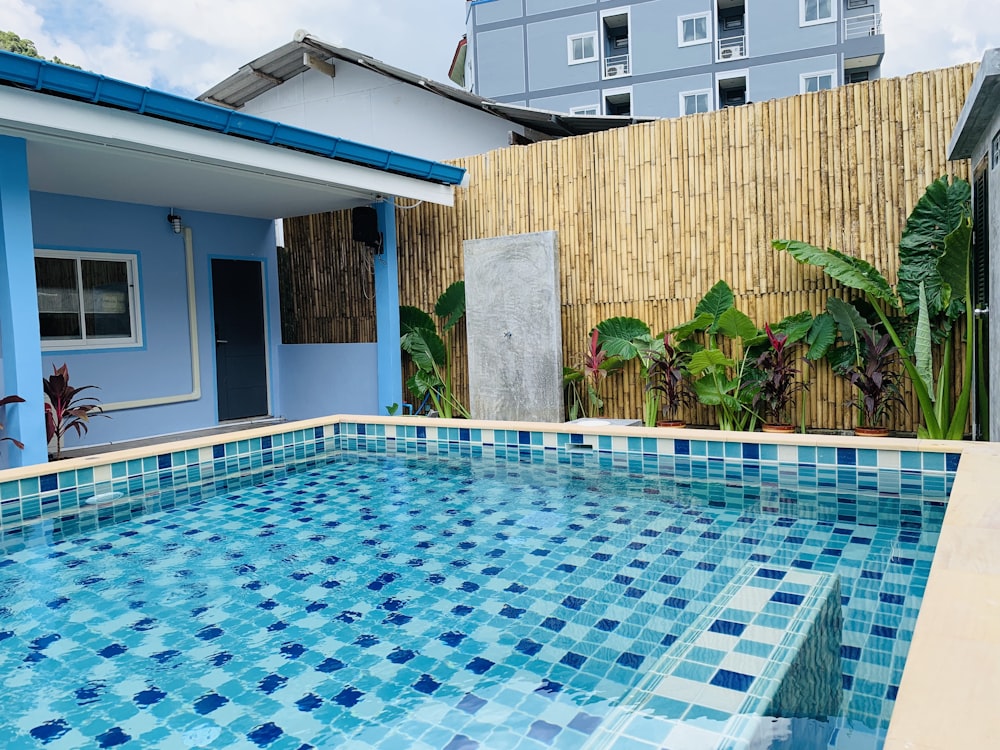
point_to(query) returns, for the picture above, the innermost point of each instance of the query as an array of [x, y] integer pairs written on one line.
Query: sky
[[187, 46]]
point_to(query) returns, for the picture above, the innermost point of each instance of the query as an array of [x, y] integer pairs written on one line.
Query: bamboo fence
[[651, 216]]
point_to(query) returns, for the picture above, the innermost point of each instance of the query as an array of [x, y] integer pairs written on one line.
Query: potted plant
[[588, 377], [667, 375], [876, 381], [777, 384], [65, 408]]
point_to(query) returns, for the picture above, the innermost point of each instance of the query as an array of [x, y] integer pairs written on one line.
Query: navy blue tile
[[682, 447], [883, 631], [553, 623], [209, 702], [675, 602], [452, 638], [426, 684], [628, 659], [513, 613], [332, 665], [265, 734], [479, 665], [751, 450], [309, 702], [770, 573], [847, 457], [732, 680], [850, 652], [607, 625], [784, 597], [148, 697], [348, 697], [573, 602], [48, 482], [271, 683], [112, 738], [571, 659], [891, 598], [727, 627], [528, 647], [50, 730]]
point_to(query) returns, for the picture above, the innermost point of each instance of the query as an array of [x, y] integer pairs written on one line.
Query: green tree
[[13, 43]]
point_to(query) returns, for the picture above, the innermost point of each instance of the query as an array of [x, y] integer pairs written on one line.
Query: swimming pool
[[510, 593]]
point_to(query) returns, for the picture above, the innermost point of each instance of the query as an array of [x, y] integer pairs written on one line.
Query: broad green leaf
[[736, 324], [701, 322], [849, 323], [571, 376], [413, 318], [618, 336], [707, 391], [852, 272], [922, 343], [841, 358], [821, 336], [426, 348], [706, 359], [954, 263], [451, 305], [718, 299], [940, 210], [796, 327]]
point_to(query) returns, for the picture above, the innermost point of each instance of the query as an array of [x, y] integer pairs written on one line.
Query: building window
[[590, 109], [816, 11], [582, 48], [693, 102], [816, 81], [853, 4], [87, 300], [693, 30]]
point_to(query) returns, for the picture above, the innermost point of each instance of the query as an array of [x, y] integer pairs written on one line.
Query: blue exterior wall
[[321, 379], [662, 98], [499, 58], [549, 56], [162, 366], [778, 46], [655, 41]]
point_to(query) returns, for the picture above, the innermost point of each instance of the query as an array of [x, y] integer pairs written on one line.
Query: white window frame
[[803, 77], [592, 35], [832, 18], [131, 261], [615, 92], [697, 92], [692, 17], [586, 109]]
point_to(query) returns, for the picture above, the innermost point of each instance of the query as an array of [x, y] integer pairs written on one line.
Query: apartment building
[[664, 58]]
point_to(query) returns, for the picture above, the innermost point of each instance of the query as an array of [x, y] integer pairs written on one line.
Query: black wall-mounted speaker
[[364, 226]]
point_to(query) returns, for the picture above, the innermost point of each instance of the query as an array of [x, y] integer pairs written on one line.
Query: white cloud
[[188, 45]]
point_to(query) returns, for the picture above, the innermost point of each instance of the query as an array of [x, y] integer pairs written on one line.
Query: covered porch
[[137, 246]]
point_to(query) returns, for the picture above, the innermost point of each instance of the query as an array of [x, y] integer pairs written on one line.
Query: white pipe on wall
[[195, 393]]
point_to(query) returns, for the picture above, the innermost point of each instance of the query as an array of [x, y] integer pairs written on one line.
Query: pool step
[[767, 646]]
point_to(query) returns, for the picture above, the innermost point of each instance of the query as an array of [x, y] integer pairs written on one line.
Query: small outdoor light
[[175, 222]]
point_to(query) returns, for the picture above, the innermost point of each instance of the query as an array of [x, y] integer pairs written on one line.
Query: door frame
[[262, 262]]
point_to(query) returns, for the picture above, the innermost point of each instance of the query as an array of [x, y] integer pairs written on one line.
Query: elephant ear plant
[[931, 296], [65, 408], [589, 376], [627, 339], [720, 363], [431, 352]]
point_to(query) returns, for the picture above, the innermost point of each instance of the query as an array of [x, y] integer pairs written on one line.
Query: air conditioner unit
[[726, 53], [616, 70]]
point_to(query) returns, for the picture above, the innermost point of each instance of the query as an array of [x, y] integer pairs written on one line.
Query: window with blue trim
[[87, 300]]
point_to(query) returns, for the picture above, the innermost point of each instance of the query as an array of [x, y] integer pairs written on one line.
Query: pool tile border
[[698, 456]]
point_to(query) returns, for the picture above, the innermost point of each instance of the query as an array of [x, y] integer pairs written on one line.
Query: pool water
[[395, 601]]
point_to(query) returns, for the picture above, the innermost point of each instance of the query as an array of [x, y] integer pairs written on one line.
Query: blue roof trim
[[52, 78]]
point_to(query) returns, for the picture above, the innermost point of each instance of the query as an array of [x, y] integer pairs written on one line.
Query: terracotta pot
[[785, 429], [675, 423], [871, 431]]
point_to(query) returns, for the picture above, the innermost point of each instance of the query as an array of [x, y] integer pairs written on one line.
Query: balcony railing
[[732, 48], [858, 26], [617, 66]]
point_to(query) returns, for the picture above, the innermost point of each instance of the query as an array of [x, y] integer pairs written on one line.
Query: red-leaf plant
[[777, 384], [66, 409], [11, 400]]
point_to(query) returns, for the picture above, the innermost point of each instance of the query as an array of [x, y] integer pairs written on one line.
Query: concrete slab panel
[[514, 327]]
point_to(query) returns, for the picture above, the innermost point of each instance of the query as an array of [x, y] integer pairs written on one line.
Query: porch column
[[390, 369], [22, 346]]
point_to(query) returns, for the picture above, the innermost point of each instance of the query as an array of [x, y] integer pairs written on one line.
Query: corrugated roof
[[59, 80], [285, 62]]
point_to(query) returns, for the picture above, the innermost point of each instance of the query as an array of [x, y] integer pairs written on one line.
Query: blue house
[[137, 245]]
